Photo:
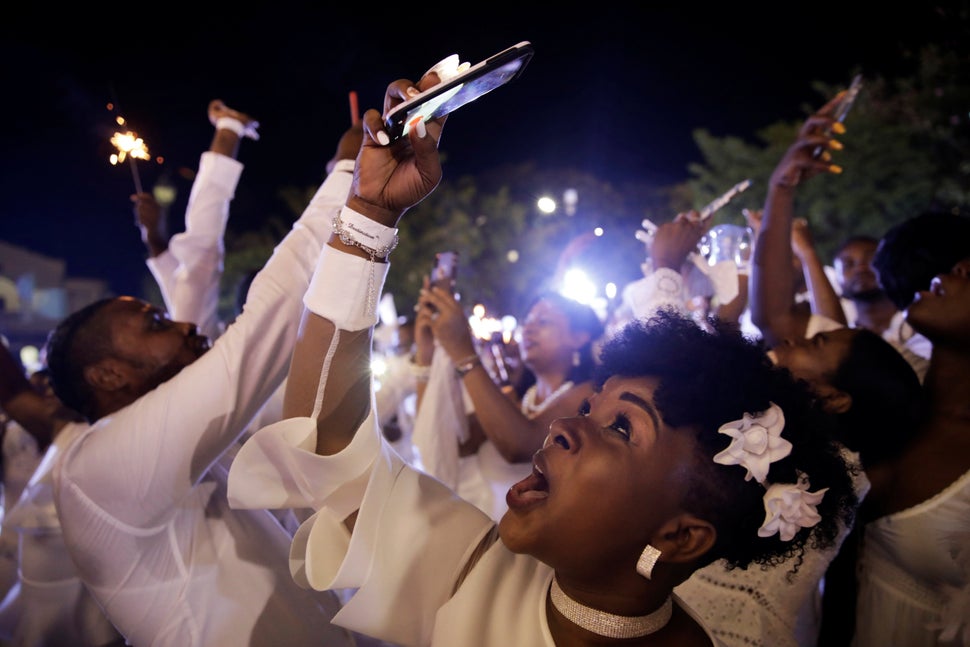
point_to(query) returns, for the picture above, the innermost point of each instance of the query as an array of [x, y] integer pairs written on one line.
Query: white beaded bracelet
[[356, 229], [238, 127], [420, 372]]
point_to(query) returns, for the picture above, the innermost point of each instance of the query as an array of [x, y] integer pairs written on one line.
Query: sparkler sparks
[[128, 144], [131, 147]]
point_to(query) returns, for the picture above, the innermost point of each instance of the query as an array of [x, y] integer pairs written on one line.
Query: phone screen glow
[[461, 94]]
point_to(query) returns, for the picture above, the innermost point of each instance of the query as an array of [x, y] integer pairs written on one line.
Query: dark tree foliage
[[906, 150]]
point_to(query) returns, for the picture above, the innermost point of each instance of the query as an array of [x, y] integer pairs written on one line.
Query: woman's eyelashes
[[620, 424]]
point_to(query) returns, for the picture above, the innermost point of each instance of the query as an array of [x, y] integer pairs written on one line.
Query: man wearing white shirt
[[55, 606], [141, 494]]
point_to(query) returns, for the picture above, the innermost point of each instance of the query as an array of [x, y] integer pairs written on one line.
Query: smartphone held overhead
[[850, 96], [841, 110], [460, 85], [444, 273]]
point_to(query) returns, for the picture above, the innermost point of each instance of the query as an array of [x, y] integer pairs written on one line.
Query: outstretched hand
[[800, 161], [217, 108], [391, 178]]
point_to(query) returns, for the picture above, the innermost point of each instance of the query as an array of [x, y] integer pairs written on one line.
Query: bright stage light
[[577, 286], [546, 204]]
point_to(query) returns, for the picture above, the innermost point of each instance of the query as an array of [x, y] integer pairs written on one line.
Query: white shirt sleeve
[[410, 541], [157, 448], [163, 268], [191, 292]]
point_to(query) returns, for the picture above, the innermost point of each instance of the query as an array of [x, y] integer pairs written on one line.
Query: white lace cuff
[[661, 288]]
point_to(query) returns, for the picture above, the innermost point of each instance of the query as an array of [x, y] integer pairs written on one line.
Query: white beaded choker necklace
[[606, 624], [529, 407]]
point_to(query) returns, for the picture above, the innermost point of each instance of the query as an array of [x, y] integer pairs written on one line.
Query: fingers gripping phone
[[465, 87]]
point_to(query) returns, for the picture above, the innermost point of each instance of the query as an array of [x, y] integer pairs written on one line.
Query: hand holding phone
[[463, 86]]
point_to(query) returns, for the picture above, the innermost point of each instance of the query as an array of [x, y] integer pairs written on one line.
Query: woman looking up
[[501, 432], [914, 581], [693, 447]]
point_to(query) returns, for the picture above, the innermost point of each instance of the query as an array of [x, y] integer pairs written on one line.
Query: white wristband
[[667, 282], [356, 229], [238, 127], [345, 289]]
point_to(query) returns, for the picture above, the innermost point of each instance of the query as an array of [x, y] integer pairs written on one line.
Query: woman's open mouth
[[531, 489]]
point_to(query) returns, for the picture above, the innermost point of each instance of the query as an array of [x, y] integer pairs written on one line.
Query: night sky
[[614, 92]]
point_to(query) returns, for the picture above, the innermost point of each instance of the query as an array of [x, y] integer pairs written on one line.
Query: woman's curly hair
[[711, 377]]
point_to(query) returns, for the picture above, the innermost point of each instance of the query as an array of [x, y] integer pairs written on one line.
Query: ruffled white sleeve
[[411, 539]]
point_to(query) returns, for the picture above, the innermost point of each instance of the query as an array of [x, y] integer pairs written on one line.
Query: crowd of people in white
[[771, 453]]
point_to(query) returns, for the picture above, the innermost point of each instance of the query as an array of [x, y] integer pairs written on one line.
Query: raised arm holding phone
[[625, 500]]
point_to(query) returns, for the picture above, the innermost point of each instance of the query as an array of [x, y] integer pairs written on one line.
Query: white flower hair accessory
[[789, 507], [756, 442]]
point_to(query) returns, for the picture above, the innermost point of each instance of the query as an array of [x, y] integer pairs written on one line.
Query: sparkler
[[131, 147]]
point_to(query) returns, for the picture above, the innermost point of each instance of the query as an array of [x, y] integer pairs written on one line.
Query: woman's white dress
[[412, 539], [915, 574]]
